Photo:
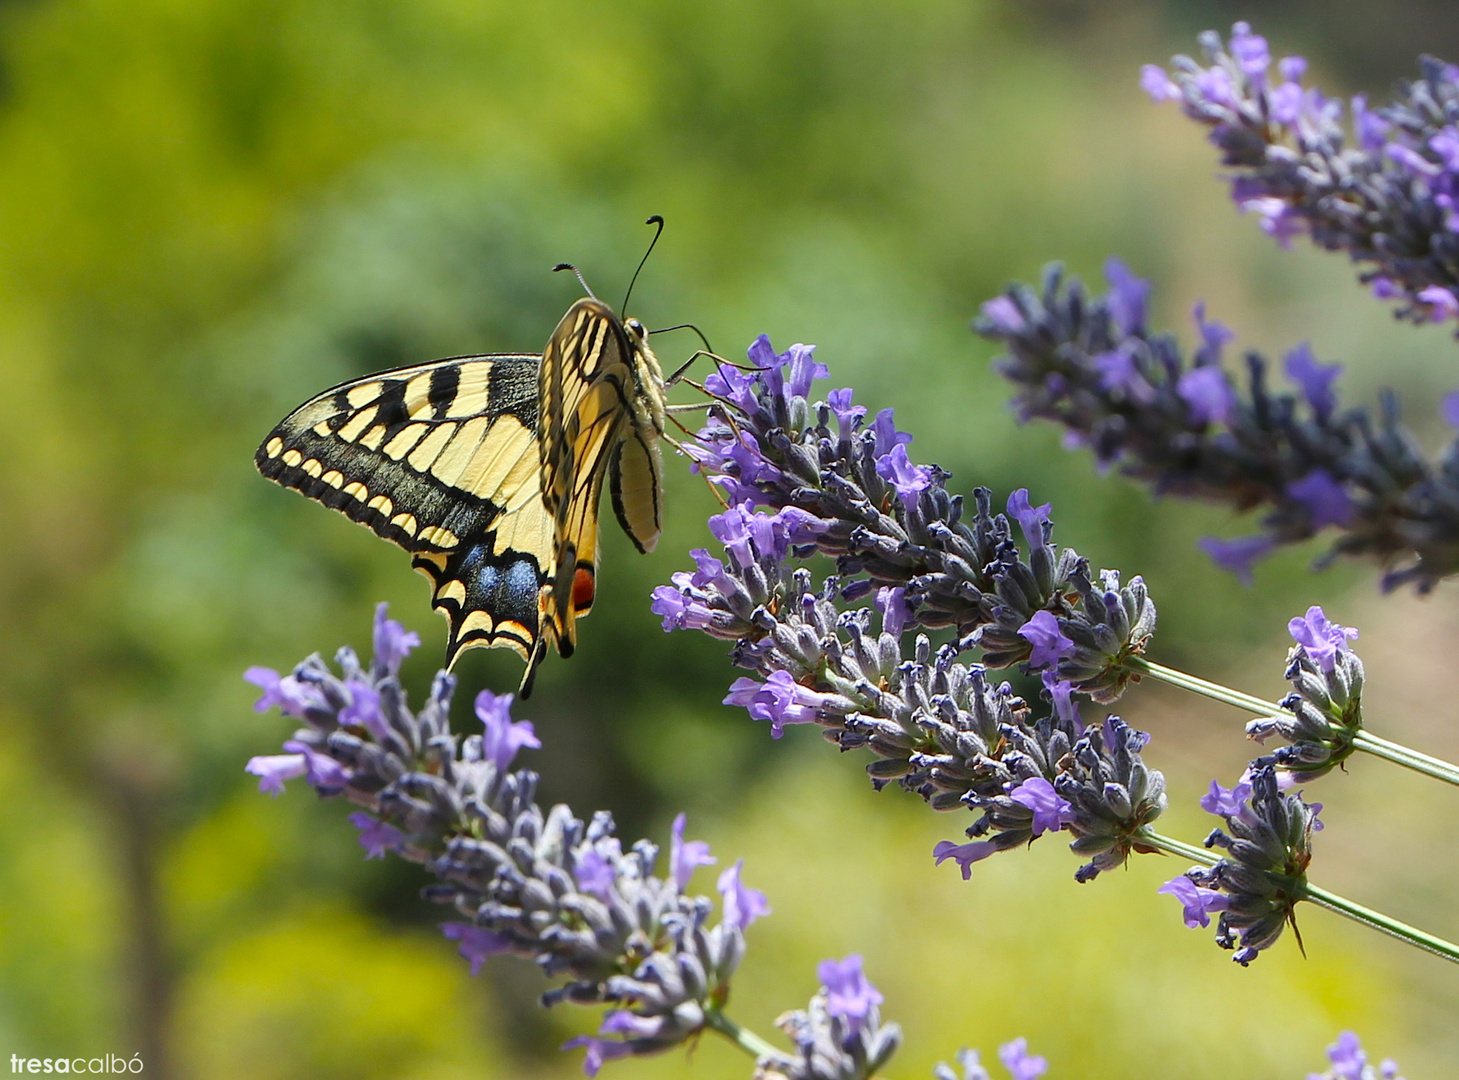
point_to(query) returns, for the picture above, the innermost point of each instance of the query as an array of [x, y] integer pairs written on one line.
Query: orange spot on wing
[[582, 589]]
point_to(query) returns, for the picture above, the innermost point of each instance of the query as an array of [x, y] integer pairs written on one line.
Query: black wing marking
[[442, 460]]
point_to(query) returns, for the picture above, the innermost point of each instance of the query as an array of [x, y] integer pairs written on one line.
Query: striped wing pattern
[[441, 460]]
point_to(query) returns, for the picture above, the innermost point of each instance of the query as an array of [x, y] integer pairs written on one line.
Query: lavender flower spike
[[1383, 192], [542, 885], [1185, 428], [848, 489], [1326, 702]]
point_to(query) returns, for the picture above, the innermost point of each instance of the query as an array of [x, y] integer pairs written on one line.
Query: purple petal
[[1315, 379], [1020, 1064], [1324, 498], [1443, 304], [320, 770], [292, 697], [1238, 555], [1322, 640], [685, 857], [1198, 903], [476, 943], [502, 739], [1449, 408], [1127, 294], [847, 414], [595, 873], [393, 642], [600, 1051], [376, 837], [1249, 50], [1048, 640], [1049, 810], [908, 479], [849, 994], [1155, 82], [964, 854], [1207, 395], [273, 769], [1030, 519], [742, 905], [891, 602], [1226, 802], [1003, 313]]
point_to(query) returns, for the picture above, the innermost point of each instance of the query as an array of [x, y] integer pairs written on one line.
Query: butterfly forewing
[[585, 373]]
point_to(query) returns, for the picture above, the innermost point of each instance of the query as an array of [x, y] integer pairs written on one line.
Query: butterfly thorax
[[647, 402]]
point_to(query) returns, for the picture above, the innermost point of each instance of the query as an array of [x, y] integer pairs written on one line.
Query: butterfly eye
[[634, 327]]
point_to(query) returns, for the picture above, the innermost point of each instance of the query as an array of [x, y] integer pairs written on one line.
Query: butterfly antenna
[[655, 220], [577, 274], [708, 348]]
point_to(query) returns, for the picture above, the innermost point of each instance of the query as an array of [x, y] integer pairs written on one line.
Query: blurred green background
[[212, 209]]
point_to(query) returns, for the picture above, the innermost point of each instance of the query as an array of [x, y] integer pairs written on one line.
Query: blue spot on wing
[[505, 585]]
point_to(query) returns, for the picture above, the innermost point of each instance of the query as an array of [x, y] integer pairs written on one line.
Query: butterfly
[[489, 471]]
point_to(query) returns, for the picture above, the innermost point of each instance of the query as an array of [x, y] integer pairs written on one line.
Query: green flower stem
[[1215, 691], [1171, 846], [1382, 923], [1402, 755], [1374, 920], [1363, 740], [744, 1038]]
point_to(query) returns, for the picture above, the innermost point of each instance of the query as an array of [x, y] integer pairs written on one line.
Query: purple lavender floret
[[546, 886], [1326, 702], [1382, 189], [1197, 903], [839, 1035], [1187, 429], [1263, 874], [1350, 1062]]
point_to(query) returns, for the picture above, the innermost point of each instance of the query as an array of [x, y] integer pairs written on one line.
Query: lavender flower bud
[[1268, 845], [1325, 702]]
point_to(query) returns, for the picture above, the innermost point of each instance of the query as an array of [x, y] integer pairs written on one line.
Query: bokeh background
[[212, 209]]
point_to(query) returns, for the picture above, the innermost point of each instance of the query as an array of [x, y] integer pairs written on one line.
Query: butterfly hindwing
[[440, 459], [636, 482]]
